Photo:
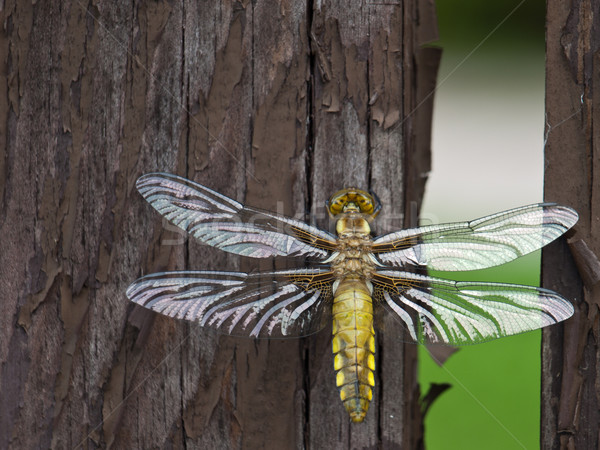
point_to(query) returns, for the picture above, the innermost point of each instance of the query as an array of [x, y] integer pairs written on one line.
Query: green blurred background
[[487, 155]]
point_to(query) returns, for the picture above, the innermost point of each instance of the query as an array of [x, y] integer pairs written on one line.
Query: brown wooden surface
[[273, 103], [570, 352]]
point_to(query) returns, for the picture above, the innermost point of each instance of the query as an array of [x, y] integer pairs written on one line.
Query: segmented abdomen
[[354, 346]]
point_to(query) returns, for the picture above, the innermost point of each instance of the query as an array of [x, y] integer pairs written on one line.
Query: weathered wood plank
[[570, 394], [276, 104]]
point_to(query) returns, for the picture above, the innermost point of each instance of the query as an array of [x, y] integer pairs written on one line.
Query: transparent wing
[[435, 310], [226, 224], [267, 304], [481, 243]]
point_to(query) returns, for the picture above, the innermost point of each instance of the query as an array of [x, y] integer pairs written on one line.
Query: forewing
[[434, 310], [481, 243], [267, 304], [217, 220]]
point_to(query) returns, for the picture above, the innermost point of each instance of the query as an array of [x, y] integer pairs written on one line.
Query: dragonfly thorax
[[353, 256], [352, 224]]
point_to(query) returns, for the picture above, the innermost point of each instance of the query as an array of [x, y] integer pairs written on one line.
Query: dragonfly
[[347, 278]]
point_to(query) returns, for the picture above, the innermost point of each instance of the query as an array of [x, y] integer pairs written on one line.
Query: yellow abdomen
[[354, 345]]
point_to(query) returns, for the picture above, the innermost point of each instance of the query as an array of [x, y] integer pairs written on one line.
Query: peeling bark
[[273, 103], [570, 352]]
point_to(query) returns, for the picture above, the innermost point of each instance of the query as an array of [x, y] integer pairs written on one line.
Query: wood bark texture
[[570, 352], [274, 103]]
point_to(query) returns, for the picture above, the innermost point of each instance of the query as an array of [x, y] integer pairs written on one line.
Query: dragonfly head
[[354, 200]]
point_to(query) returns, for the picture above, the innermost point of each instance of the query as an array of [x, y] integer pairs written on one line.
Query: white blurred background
[[487, 144]]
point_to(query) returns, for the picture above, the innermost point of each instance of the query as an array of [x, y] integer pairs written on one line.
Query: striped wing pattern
[[435, 310], [481, 243], [273, 304], [217, 220]]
